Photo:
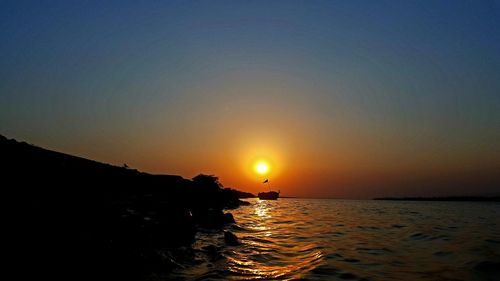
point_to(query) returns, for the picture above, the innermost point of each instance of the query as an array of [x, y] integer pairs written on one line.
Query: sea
[[327, 239]]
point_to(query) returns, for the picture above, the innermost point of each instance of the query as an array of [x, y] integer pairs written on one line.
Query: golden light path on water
[[268, 254]]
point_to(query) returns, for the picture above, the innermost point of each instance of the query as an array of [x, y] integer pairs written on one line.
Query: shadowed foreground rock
[[231, 239], [72, 218]]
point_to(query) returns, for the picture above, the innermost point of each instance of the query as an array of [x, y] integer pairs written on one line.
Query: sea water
[[324, 239]]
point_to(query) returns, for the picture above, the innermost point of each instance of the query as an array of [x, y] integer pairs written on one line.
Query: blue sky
[[393, 86]]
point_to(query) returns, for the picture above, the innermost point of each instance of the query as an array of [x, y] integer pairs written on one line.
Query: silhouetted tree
[[209, 181]]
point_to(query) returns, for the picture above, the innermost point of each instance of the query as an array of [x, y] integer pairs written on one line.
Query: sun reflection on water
[[270, 250], [261, 209]]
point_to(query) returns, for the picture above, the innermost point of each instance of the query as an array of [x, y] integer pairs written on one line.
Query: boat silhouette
[[271, 195]]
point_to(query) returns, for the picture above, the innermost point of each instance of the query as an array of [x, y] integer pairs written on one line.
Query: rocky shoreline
[[73, 218]]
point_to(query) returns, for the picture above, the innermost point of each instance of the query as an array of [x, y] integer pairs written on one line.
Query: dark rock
[[212, 219], [96, 219], [228, 218], [231, 239]]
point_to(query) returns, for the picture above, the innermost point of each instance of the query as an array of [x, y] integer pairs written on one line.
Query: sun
[[261, 167]]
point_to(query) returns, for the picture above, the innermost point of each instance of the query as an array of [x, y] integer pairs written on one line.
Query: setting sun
[[262, 168]]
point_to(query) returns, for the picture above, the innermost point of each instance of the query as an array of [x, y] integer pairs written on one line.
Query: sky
[[341, 99]]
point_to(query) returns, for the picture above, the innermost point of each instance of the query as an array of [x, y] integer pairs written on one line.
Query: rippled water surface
[[312, 239]]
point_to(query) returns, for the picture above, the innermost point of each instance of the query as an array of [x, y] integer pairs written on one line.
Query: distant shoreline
[[446, 198]]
